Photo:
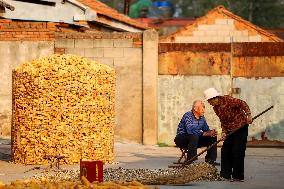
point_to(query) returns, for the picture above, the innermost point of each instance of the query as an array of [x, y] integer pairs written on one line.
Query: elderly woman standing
[[233, 113]]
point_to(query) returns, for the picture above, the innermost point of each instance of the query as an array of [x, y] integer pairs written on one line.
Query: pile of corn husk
[[63, 105], [192, 172]]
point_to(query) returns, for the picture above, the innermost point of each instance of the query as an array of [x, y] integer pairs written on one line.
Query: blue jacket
[[190, 125]]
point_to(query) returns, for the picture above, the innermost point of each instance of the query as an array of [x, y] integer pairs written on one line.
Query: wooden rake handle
[[215, 143]]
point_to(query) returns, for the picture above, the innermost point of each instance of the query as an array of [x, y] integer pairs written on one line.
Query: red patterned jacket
[[232, 112]]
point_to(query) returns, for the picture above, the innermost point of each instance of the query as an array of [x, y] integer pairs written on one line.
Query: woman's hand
[[223, 136], [249, 119], [213, 133]]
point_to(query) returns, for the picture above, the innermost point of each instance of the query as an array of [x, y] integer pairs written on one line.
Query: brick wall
[[186, 70], [14, 53], [106, 48], [27, 31], [249, 59], [219, 31], [11, 30], [122, 51], [22, 41]]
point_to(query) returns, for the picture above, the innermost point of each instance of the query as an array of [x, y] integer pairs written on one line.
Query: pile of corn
[[83, 184], [63, 105], [193, 172]]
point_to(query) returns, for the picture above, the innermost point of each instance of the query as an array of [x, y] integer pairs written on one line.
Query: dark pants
[[233, 154], [192, 142]]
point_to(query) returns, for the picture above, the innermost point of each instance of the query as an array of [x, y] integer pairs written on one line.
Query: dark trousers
[[233, 154], [192, 142]]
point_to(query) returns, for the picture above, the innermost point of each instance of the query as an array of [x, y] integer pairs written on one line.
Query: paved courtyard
[[264, 167]]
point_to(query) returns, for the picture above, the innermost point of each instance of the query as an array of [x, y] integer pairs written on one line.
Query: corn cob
[[63, 105]]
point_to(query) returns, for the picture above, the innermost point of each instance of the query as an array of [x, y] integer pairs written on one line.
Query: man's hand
[[249, 119], [211, 133]]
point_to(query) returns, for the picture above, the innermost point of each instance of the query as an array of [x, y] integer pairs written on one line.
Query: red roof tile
[[103, 9], [168, 22]]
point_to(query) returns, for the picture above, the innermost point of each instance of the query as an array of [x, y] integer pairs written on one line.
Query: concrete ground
[[264, 167]]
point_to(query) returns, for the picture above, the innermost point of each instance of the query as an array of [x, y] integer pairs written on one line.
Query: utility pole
[[126, 6], [250, 11]]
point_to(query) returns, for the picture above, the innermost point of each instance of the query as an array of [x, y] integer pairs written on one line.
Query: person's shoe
[[214, 163], [238, 180], [227, 179]]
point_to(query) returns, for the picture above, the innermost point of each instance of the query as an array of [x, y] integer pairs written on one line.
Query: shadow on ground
[[5, 149]]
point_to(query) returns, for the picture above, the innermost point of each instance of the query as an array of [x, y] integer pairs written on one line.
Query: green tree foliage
[[116, 4], [135, 9], [265, 13]]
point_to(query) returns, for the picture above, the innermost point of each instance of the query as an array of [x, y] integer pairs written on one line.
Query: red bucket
[[92, 170]]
